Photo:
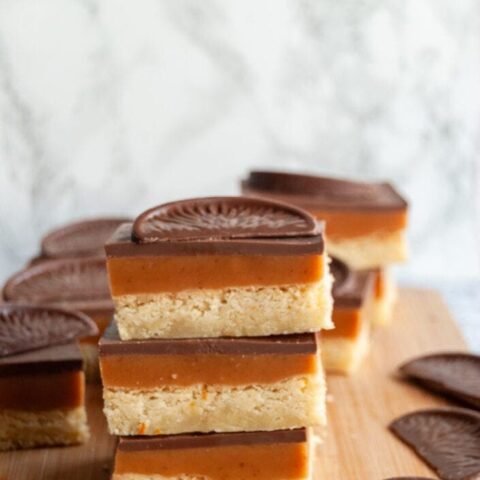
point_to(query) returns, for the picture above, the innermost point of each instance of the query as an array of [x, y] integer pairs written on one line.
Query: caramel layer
[[135, 275], [262, 462], [46, 391], [183, 370], [347, 321], [380, 283], [102, 320], [355, 224]]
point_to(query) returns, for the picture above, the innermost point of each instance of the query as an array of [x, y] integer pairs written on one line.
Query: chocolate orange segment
[[24, 328]]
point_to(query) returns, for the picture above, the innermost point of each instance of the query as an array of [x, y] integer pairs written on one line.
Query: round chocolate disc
[[26, 327], [455, 374], [216, 218], [85, 238], [448, 439], [60, 282]]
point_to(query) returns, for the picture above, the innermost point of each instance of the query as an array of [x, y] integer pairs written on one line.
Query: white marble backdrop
[[109, 106]]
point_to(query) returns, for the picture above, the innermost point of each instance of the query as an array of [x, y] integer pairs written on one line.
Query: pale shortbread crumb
[[291, 403], [237, 312], [383, 307], [22, 429], [369, 251], [345, 355]]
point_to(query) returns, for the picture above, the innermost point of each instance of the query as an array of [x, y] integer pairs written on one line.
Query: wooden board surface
[[357, 446]]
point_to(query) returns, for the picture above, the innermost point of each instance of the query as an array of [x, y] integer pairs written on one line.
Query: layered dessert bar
[[41, 379], [76, 283], [366, 222], [354, 304], [279, 455], [220, 266], [161, 386], [78, 239]]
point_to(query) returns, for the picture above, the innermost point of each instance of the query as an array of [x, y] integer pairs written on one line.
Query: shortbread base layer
[[293, 403], [236, 312], [382, 308], [345, 355], [22, 429], [370, 251]]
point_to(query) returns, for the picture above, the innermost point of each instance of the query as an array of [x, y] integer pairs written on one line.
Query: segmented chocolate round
[[447, 439], [453, 374], [222, 218], [85, 238], [332, 188], [25, 327], [341, 276], [60, 281]]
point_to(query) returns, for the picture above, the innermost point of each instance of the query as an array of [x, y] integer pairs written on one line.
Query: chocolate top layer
[[24, 328], [84, 238], [350, 288], [58, 358], [121, 244], [315, 192], [209, 440], [221, 218], [77, 283], [455, 374], [447, 439], [303, 344]]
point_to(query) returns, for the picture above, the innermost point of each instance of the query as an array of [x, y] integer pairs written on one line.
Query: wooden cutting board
[[357, 445]]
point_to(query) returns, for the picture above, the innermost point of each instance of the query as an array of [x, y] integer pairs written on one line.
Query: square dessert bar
[[76, 283], [161, 386], [220, 266], [366, 222], [344, 347], [41, 379], [277, 455]]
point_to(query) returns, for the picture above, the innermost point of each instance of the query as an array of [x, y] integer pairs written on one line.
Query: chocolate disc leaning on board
[[453, 374], [447, 439], [24, 328]]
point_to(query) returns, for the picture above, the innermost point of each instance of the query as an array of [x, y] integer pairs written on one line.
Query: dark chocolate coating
[[209, 440], [55, 359], [77, 283], [315, 192], [121, 244], [26, 327], [350, 288], [79, 239], [447, 439], [222, 218], [454, 374], [297, 344]]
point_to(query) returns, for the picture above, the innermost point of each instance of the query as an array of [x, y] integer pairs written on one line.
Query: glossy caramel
[[46, 391], [261, 462], [137, 274], [185, 370], [348, 224]]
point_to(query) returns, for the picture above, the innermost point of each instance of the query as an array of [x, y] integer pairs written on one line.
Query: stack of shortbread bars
[[211, 368]]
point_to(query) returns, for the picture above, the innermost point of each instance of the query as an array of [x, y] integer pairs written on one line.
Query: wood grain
[[357, 446]]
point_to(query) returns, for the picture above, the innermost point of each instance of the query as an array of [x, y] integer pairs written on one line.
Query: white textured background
[[111, 106]]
